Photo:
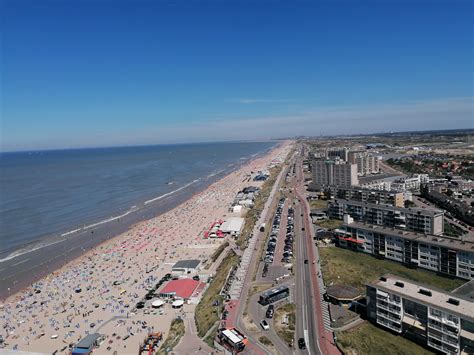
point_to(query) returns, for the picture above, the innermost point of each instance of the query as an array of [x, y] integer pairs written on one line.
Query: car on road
[[305, 261], [301, 343], [270, 311], [264, 324]]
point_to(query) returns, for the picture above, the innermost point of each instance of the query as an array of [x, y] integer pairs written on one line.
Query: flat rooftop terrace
[[454, 304], [413, 210], [448, 242]]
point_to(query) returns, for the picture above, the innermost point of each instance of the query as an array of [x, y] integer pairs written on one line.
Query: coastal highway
[[305, 312], [319, 340]]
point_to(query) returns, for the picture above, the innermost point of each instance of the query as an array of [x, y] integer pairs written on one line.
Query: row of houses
[[461, 210], [445, 255], [411, 219]]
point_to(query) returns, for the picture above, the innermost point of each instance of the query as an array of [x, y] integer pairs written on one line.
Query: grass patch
[[371, 340], [174, 336], [318, 204], [218, 251], [206, 313], [330, 223], [265, 341], [342, 266], [451, 230], [209, 340], [285, 331]]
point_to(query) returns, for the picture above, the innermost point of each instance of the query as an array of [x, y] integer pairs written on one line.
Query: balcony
[[442, 329], [444, 339], [389, 325], [443, 348], [388, 303], [390, 317]]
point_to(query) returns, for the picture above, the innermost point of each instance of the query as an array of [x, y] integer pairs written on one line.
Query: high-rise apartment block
[[441, 320], [367, 164], [412, 219], [335, 153]]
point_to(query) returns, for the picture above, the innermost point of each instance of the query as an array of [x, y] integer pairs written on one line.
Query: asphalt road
[[305, 313]]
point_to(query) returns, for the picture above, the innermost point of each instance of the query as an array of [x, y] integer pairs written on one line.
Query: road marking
[[306, 340]]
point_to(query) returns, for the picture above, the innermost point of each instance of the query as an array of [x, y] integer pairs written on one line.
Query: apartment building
[[412, 183], [411, 219], [441, 320], [449, 256], [335, 153], [383, 197], [367, 164], [334, 172]]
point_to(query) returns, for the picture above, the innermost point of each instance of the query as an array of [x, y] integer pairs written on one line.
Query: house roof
[[186, 264], [233, 224], [183, 288]]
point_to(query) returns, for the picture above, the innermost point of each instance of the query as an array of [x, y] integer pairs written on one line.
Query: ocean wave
[[46, 243], [216, 173], [70, 234], [29, 249], [171, 192]]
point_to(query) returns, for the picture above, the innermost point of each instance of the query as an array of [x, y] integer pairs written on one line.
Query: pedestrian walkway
[[324, 303], [190, 343], [236, 288]]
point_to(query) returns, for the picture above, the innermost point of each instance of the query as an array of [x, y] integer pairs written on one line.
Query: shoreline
[[45, 260], [97, 291]]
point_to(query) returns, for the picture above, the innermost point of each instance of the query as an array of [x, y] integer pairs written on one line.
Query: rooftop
[[183, 288], [465, 291], [88, 341], [343, 292], [439, 299], [448, 242], [233, 224], [186, 264]]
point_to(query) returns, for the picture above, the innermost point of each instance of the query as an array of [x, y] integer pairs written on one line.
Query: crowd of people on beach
[[97, 292]]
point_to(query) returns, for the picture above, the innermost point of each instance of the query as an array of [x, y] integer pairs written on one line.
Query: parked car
[[270, 312], [264, 324]]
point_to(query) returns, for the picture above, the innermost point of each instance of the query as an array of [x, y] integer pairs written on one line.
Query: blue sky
[[97, 73]]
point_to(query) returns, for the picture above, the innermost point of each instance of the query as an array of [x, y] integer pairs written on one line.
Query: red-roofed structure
[[182, 288]]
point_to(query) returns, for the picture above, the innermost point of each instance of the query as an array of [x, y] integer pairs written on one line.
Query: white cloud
[[260, 101]]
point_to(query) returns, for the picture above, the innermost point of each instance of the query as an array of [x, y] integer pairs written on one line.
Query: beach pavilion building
[[233, 226], [188, 290], [186, 266]]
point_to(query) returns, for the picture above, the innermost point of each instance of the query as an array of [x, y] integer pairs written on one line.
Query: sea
[[49, 196]]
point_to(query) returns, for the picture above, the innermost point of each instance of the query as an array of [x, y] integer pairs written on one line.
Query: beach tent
[[237, 209], [157, 303], [177, 304]]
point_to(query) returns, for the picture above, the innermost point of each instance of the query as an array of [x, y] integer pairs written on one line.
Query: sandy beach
[[114, 276]]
